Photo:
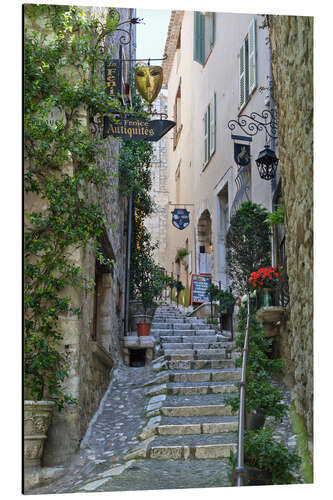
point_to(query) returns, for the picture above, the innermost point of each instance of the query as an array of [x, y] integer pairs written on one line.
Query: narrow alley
[[165, 425]]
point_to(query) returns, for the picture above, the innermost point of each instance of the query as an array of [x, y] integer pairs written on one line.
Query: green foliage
[[263, 452], [181, 253], [298, 425], [277, 216], [261, 396], [62, 67], [224, 297], [248, 244]]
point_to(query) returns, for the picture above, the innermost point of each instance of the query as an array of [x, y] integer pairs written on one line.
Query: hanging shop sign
[[199, 288], [148, 81], [242, 154], [137, 128], [180, 218], [113, 77]]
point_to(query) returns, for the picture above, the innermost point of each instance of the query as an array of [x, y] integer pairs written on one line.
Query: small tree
[[248, 244]]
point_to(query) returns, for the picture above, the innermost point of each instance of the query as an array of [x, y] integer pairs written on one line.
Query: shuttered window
[[211, 109], [209, 127], [199, 38], [247, 65], [252, 56]]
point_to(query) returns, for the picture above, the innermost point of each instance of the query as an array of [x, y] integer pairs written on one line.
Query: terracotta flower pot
[[143, 329], [37, 418]]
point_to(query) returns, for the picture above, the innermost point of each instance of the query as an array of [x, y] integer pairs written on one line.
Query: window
[[209, 130], [247, 65], [204, 35], [177, 117]]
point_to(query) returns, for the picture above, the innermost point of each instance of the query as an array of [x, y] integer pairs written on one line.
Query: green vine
[[64, 178]]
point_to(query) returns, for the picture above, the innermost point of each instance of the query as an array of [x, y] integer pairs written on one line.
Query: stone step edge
[[191, 452], [197, 410], [165, 376], [187, 390], [181, 429]]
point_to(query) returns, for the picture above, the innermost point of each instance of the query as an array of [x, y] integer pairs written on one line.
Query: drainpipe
[[129, 241]]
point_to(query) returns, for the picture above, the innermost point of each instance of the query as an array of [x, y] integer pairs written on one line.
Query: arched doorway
[[205, 247]]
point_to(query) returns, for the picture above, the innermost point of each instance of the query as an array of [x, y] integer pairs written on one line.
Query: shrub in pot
[[147, 285], [266, 460], [262, 399]]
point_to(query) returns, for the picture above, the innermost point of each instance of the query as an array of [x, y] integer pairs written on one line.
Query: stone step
[[198, 346], [181, 333], [204, 375], [195, 354], [187, 388], [206, 428], [196, 411], [192, 446], [193, 339], [199, 364], [180, 400]]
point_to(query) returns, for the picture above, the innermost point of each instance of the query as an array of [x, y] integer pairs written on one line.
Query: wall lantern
[[267, 163]]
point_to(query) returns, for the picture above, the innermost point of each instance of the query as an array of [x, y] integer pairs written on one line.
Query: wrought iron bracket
[[256, 122]]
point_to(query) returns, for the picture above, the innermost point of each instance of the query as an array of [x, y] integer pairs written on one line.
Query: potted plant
[[267, 462], [262, 399], [265, 280], [148, 284]]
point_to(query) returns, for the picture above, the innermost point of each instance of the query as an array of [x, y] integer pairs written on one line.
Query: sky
[[151, 33]]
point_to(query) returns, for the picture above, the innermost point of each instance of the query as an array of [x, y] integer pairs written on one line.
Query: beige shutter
[[242, 75], [205, 138], [252, 56], [212, 125]]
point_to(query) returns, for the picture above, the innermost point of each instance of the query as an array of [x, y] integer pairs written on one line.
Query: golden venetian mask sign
[[148, 81]]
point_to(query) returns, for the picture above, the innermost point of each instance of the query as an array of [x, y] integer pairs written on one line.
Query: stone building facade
[[157, 223], [292, 70], [91, 342]]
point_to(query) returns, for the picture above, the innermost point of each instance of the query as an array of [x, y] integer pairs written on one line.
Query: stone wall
[[292, 66], [90, 360]]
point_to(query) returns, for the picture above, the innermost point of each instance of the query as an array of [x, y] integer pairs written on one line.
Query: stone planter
[[271, 316], [37, 418]]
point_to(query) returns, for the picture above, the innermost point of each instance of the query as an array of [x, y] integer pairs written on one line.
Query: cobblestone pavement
[[99, 465], [106, 461]]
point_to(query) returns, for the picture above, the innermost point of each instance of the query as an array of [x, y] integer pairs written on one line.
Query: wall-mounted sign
[[180, 218], [137, 128], [55, 116], [199, 288], [242, 154], [113, 77], [148, 81]]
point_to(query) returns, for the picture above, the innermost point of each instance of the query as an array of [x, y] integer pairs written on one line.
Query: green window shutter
[[212, 125], [242, 75], [196, 37], [212, 28], [252, 56], [202, 38], [199, 38], [206, 138]]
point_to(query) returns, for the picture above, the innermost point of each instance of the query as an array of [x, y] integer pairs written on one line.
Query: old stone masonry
[[164, 425]]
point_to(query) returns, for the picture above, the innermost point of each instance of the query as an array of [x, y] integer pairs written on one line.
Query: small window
[[204, 35], [209, 127], [177, 117], [247, 65]]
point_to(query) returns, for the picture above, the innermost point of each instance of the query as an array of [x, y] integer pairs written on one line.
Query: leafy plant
[[265, 277], [64, 172], [224, 297], [276, 217], [261, 396], [248, 244], [181, 253], [262, 451]]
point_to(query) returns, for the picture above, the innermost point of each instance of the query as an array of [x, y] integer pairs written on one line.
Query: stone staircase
[[188, 418]]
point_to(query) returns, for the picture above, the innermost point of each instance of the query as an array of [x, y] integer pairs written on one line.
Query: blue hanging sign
[[180, 218], [242, 154]]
